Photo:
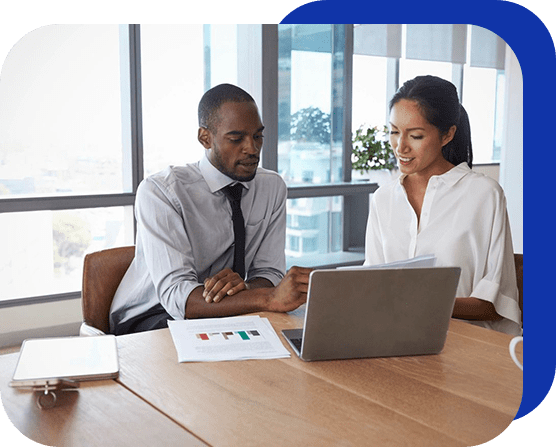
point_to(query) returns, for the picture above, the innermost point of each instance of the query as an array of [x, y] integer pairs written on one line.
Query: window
[[68, 167], [314, 228], [65, 170], [471, 57], [86, 111], [313, 141], [46, 257], [178, 64], [370, 92], [305, 98], [483, 99], [61, 114]]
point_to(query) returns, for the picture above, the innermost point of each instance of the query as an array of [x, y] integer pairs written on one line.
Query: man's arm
[[288, 295], [227, 282]]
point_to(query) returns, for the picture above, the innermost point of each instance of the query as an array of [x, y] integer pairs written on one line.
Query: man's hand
[[257, 296], [292, 290], [225, 282]]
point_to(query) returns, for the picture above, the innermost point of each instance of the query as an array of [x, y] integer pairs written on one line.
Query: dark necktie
[[233, 193]]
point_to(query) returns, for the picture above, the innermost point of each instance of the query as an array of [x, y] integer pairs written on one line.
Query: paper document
[[231, 338], [425, 261]]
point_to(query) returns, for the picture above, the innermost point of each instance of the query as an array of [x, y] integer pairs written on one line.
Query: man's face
[[235, 146]]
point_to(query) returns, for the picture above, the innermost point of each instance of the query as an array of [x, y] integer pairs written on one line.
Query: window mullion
[[136, 106]]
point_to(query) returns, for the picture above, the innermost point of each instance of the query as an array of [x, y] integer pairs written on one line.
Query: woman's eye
[[417, 137]]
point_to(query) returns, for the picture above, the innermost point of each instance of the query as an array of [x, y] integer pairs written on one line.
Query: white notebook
[[73, 358]]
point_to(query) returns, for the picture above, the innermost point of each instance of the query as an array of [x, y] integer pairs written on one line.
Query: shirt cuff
[[505, 306]]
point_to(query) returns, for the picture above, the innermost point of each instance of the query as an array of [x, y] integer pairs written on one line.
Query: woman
[[440, 206]]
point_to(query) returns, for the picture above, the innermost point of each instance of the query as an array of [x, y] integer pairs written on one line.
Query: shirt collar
[[455, 174], [215, 179], [451, 177]]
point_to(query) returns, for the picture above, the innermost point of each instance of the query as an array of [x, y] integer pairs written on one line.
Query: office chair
[[102, 273], [518, 258]]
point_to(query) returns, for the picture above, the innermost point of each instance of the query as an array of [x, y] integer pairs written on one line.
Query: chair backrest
[[102, 273], [518, 258]]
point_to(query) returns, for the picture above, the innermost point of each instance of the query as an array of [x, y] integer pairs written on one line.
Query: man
[[189, 238]]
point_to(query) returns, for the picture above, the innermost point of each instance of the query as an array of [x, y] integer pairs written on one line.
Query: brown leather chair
[[518, 258], [102, 273]]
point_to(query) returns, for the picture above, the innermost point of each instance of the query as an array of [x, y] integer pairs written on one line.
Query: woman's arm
[[474, 309]]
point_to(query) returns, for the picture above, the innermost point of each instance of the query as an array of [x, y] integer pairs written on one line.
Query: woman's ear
[[449, 136], [205, 137]]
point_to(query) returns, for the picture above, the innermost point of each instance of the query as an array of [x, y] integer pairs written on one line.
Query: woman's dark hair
[[439, 102], [214, 98]]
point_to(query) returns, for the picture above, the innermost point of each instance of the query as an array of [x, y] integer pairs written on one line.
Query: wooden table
[[466, 395]]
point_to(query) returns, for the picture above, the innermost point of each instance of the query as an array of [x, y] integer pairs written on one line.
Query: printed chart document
[[231, 338]]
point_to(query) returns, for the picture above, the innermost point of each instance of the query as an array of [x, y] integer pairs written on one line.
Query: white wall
[[54, 319], [490, 170], [511, 163]]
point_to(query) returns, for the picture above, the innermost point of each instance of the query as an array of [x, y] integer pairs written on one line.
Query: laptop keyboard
[[297, 343]]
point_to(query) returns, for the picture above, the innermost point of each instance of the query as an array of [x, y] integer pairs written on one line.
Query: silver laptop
[[363, 313]]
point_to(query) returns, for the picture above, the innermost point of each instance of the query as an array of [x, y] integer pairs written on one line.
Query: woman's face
[[417, 144]]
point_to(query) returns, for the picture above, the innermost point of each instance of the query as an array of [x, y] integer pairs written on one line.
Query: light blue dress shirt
[[185, 234]]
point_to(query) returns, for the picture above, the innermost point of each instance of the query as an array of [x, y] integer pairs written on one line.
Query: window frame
[[132, 166]]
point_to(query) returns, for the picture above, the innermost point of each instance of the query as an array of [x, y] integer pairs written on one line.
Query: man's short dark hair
[[214, 98]]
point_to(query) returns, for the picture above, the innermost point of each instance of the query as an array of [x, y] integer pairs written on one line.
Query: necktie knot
[[233, 193]]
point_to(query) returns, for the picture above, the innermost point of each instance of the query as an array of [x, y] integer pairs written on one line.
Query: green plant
[[310, 124], [371, 150]]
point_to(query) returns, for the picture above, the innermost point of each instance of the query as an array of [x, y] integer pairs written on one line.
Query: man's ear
[[205, 137]]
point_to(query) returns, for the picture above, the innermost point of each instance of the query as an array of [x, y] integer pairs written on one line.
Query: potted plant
[[372, 155]]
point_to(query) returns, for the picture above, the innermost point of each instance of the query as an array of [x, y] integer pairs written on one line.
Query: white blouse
[[464, 223]]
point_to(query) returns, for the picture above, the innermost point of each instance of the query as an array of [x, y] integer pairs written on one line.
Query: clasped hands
[[225, 282], [288, 295]]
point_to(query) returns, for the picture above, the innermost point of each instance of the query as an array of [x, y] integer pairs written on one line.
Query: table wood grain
[[99, 413], [466, 395]]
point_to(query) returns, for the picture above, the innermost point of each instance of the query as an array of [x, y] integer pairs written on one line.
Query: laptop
[[362, 313]]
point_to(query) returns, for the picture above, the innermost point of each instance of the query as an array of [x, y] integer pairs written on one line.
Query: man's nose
[[251, 146]]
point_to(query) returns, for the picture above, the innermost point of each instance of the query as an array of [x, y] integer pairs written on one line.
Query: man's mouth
[[250, 162]]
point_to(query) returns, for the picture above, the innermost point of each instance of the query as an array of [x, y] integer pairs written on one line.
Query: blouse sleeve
[[498, 285]]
